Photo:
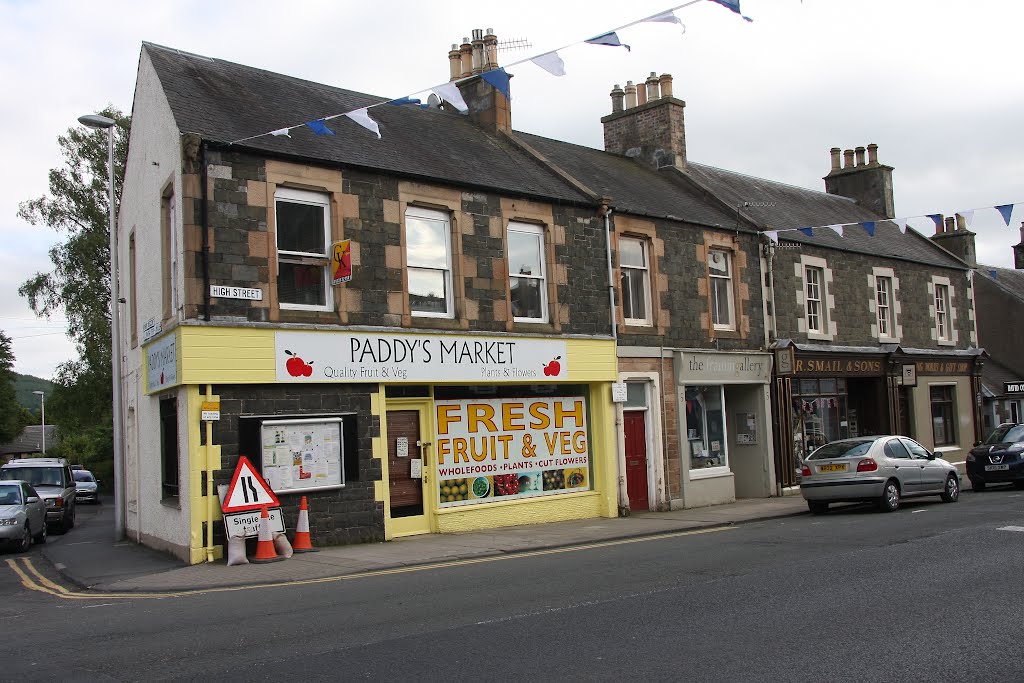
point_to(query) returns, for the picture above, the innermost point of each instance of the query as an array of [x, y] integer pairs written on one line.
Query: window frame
[[645, 274], [449, 278], [540, 233], [169, 245], [819, 284], [702, 436], [885, 311], [323, 259], [730, 292], [943, 319], [170, 477], [947, 406]]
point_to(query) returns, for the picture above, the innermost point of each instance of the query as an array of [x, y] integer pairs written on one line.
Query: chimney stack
[[868, 182], [957, 239], [487, 106], [1018, 251], [647, 123]]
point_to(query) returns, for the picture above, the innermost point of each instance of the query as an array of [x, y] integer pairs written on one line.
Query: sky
[[936, 84]]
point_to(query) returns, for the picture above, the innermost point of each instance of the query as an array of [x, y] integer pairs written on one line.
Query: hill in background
[[24, 385]]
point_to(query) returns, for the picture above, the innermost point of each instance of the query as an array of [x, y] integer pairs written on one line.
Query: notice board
[[303, 454]]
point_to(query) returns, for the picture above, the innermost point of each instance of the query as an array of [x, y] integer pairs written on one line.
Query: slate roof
[[30, 440], [225, 102], [777, 206], [1007, 279], [994, 375]]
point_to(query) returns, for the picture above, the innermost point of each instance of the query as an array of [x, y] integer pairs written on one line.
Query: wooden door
[[634, 425], [406, 492]]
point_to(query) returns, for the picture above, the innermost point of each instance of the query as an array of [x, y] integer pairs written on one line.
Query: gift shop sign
[[162, 364], [362, 357], [501, 449]]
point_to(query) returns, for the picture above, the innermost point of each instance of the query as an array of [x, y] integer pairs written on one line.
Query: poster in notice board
[[300, 455]]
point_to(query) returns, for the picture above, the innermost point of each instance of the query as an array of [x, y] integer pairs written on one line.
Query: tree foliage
[[13, 416], [79, 284]]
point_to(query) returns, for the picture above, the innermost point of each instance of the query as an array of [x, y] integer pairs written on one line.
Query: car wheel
[[69, 520], [40, 538], [951, 492], [817, 507], [890, 500], [977, 485], [26, 540]]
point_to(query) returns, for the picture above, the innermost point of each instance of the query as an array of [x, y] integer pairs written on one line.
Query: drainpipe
[[211, 495], [206, 238], [611, 280], [771, 292]]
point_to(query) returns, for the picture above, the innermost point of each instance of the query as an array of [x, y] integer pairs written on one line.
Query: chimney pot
[[490, 50], [478, 51], [873, 154], [950, 224], [834, 153], [466, 55], [454, 63], [630, 95], [617, 96], [961, 223], [848, 158], [641, 92], [860, 156], [666, 85], [653, 88]]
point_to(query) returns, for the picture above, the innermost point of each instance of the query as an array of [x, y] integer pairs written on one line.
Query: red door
[[636, 459]]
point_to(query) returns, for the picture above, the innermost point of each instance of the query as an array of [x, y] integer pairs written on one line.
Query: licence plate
[[837, 467], [996, 468]]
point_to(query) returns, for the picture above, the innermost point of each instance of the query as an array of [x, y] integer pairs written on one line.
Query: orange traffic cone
[[265, 545], [303, 543]]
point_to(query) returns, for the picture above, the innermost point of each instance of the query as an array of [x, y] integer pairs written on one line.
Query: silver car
[[22, 515], [882, 469]]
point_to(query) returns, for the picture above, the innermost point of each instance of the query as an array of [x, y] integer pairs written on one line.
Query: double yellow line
[[33, 579]]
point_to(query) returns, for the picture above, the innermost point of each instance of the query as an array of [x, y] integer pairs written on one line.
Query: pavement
[[89, 557]]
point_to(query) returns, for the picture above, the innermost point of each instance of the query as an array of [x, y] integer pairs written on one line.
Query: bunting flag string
[[550, 61], [870, 227]]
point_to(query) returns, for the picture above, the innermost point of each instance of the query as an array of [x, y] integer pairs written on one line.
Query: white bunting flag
[[968, 216], [773, 236], [838, 227], [282, 132], [901, 223], [550, 62], [449, 92], [363, 119], [668, 17]]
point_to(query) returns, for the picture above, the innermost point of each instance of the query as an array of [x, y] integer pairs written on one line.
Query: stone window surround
[[727, 242], [895, 307], [954, 335], [169, 263], [296, 195], [627, 226], [828, 299], [556, 274], [730, 264]]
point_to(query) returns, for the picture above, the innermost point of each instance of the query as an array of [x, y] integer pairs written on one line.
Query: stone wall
[[337, 517]]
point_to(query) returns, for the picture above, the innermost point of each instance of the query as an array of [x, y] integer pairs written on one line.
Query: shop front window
[[820, 414], [705, 427], [943, 416]]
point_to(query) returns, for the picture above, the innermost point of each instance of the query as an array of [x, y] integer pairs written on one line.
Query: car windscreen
[[37, 476], [842, 449], [1006, 434], [10, 494], [82, 475]]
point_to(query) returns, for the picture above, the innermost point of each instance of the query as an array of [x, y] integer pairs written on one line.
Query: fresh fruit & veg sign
[[500, 449]]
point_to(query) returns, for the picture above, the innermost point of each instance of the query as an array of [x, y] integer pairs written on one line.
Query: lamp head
[[39, 393], [96, 121]]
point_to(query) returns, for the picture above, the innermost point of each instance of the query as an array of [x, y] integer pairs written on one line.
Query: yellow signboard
[[341, 262]]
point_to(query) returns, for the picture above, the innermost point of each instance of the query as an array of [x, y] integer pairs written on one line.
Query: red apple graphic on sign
[[296, 366], [553, 368]]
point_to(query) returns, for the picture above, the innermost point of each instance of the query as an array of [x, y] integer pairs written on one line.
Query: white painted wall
[[154, 159]]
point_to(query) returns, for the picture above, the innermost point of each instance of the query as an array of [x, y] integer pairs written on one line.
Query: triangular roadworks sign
[[248, 490]]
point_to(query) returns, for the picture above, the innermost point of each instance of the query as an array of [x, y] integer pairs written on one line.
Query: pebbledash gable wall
[[341, 516], [853, 313], [366, 209]]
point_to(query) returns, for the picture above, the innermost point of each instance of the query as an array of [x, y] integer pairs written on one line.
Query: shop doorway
[[408, 469], [635, 428]]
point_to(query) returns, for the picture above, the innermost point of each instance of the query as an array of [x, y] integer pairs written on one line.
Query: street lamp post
[[42, 415], [98, 122]]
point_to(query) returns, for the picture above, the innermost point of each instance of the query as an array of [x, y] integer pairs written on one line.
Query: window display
[[705, 426]]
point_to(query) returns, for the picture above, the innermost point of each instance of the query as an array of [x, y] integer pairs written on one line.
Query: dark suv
[[999, 458], [51, 478]]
